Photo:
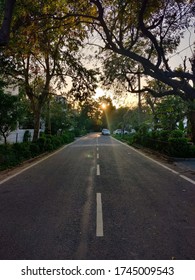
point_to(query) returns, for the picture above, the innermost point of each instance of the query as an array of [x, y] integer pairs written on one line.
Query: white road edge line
[[33, 164], [164, 166], [99, 216], [175, 172], [187, 179], [98, 170]]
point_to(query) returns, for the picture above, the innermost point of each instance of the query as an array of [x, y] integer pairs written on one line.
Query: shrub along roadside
[[14, 154], [171, 143]]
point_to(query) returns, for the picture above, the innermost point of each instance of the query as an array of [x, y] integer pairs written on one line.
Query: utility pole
[[139, 96]]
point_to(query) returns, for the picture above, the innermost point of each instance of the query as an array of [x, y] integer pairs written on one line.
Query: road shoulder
[[183, 167]]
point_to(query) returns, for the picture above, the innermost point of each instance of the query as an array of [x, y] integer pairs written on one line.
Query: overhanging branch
[[5, 28]]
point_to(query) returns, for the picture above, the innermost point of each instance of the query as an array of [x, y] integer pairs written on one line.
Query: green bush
[[48, 143], [34, 148], [171, 143], [77, 132], [192, 151], [11, 155], [67, 137], [163, 135], [21, 150], [57, 141], [41, 143], [137, 138], [176, 133], [8, 157], [178, 147]]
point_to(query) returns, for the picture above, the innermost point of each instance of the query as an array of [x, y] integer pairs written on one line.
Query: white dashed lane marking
[[99, 216], [98, 170]]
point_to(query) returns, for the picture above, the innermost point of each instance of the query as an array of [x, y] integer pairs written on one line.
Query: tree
[[61, 116], [155, 26], [89, 115], [167, 111], [7, 11], [9, 113], [108, 110], [121, 118], [147, 32], [26, 120], [43, 52]]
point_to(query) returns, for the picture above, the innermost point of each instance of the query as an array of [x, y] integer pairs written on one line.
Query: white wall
[[13, 90], [17, 136]]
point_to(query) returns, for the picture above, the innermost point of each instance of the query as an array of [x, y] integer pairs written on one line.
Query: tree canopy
[[147, 32], [138, 36], [9, 112], [43, 51]]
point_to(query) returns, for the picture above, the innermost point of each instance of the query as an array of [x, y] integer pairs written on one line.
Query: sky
[[186, 48]]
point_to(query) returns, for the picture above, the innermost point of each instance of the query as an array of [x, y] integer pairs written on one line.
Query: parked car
[[120, 131], [105, 131]]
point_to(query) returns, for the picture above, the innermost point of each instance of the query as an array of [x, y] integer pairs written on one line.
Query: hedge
[[171, 143], [14, 154]]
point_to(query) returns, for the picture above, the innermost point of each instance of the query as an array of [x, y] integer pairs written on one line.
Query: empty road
[[97, 199]]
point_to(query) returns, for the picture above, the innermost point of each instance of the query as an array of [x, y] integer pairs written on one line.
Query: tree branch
[[5, 28], [147, 33]]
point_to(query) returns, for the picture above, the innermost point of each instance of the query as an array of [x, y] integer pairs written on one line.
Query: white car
[[105, 131], [120, 131]]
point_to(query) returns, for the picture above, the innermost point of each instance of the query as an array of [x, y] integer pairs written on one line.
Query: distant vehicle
[[105, 131], [120, 131]]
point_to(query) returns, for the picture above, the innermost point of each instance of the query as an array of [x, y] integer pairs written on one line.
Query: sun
[[103, 105]]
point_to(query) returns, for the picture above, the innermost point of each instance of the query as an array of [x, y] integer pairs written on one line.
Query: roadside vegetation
[[161, 125], [62, 124], [44, 51], [14, 154], [170, 143]]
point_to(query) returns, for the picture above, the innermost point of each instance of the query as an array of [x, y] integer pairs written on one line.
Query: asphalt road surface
[[97, 199]]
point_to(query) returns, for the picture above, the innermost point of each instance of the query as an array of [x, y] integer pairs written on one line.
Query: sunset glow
[[103, 106], [99, 92]]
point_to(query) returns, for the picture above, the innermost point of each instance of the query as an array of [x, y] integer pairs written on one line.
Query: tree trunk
[[37, 117], [48, 119], [5, 138], [192, 124], [5, 28]]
